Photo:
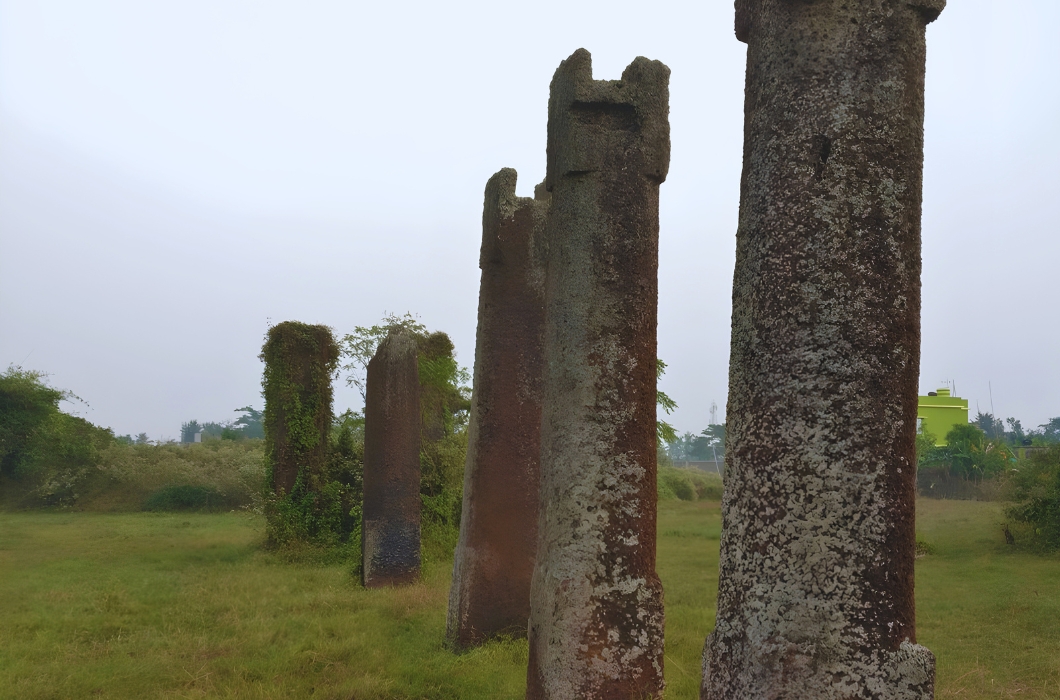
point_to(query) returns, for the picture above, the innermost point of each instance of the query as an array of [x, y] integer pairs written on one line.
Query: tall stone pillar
[[816, 585], [495, 555], [390, 530], [596, 621]]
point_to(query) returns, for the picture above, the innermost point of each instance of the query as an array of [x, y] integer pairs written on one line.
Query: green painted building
[[938, 412]]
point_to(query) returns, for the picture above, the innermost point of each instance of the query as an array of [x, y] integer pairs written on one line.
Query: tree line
[[47, 454]]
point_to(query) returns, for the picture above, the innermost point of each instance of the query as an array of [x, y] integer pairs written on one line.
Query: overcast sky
[[174, 176]]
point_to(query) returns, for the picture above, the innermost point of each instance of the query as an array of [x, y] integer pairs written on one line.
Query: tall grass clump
[[676, 483], [131, 477], [122, 477]]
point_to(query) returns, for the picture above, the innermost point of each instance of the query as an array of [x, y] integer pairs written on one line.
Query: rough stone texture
[[495, 555], [391, 513], [816, 586], [596, 622]]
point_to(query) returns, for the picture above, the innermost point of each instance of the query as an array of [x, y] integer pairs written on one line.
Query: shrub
[[186, 497], [127, 475], [688, 484], [64, 464], [27, 404], [678, 483], [45, 454], [1034, 486]]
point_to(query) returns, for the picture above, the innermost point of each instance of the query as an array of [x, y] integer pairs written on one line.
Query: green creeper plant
[[303, 503]]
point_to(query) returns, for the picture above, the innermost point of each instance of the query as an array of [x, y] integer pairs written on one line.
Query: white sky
[[173, 175]]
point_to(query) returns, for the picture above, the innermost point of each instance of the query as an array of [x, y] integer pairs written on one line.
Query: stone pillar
[[299, 361], [495, 555], [816, 585], [390, 532], [596, 621]]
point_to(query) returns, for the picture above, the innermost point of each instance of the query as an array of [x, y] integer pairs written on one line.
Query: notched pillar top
[[748, 10], [501, 204], [591, 121]]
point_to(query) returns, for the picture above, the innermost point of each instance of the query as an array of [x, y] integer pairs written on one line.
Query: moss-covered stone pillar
[[299, 363], [596, 621], [816, 584], [390, 527], [495, 555]]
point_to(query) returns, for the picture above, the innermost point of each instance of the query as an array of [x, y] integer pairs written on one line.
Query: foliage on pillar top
[[300, 361], [441, 396]]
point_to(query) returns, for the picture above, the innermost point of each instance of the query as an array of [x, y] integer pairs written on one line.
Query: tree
[[47, 452], [250, 425], [992, 427], [188, 431], [707, 446], [715, 434], [926, 452], [1052, 429], [1015, 435], [972, 456], [664, 432], [212, 430], [445, 403], [359, 347], [26, 405], [1047, 433]]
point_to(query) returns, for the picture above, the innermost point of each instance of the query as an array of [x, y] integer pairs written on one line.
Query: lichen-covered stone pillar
[[495, 555], [390, 530], [816, 584], [596, 621]]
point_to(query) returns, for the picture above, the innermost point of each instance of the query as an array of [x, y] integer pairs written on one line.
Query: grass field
[[186, 606]]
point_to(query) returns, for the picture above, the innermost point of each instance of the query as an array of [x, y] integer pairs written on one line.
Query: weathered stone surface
[[816, 586], [391, 513], [596, 622], [495, 555]]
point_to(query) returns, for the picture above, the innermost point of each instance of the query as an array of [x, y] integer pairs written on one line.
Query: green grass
[[688, 565], [990, 612], [148, 605]]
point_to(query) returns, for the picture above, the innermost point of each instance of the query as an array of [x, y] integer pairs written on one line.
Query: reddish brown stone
[[495, 556], [816, 586], [596, 622], [390, 532]]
